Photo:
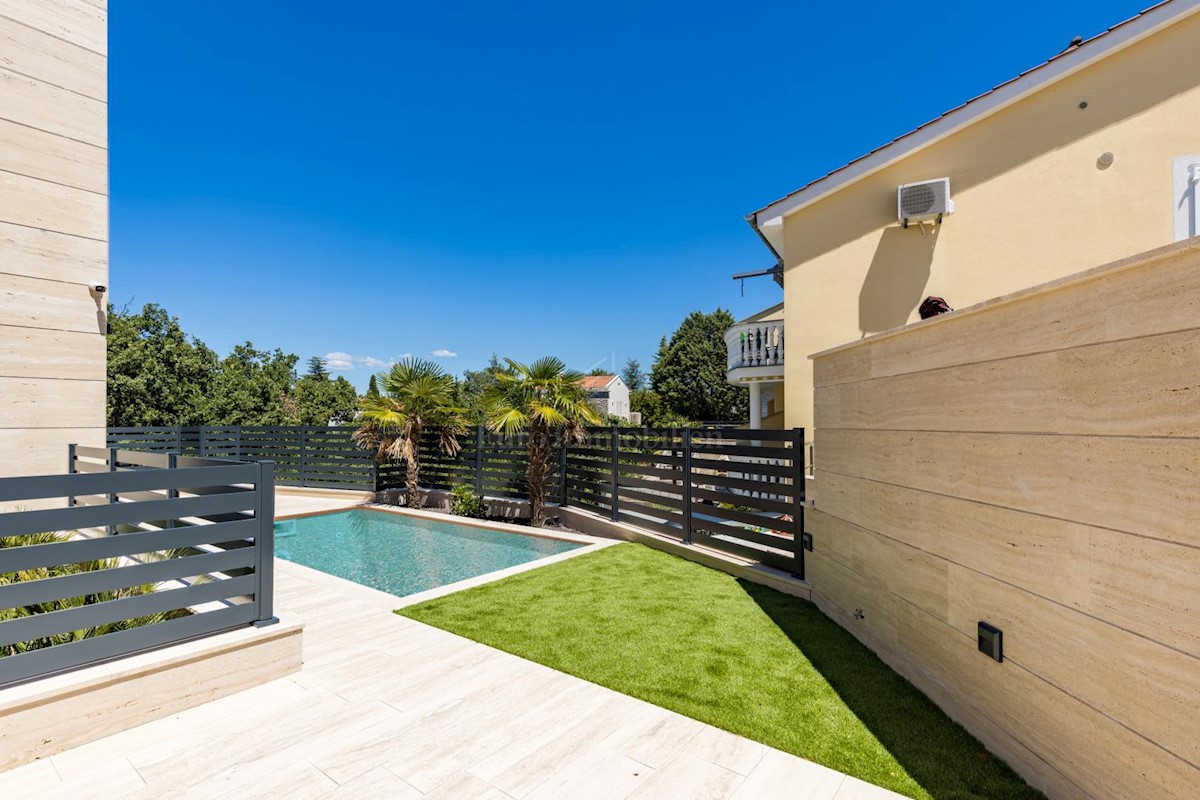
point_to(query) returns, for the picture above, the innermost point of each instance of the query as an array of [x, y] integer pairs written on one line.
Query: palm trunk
[[538, 449], [413, 474]]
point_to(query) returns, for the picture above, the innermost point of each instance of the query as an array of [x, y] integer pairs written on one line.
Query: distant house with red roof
[[608, 394]]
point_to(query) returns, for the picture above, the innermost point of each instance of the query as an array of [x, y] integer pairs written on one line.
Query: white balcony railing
[[755, 344]]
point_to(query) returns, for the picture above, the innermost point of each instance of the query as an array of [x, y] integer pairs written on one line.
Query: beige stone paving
[[386, 707]]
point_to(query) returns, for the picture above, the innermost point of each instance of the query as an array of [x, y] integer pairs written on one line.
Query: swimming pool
[[403, 555]]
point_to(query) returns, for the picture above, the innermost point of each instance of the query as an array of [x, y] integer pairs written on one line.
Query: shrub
[[466, 503], [63, 604]]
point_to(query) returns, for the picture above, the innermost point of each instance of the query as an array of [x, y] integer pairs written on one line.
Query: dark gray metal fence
[[199, 530], [733, 489], [304, 455], [492, 464]]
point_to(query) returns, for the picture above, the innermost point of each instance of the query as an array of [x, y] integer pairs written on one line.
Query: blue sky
[[378, 179]]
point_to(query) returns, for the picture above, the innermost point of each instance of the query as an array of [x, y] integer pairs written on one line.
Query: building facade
[[53, 231], [1088, 158], [608, 394]]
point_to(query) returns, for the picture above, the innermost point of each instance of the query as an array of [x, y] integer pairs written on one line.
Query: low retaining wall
[[51, 715], [498, 507], [596, 525]]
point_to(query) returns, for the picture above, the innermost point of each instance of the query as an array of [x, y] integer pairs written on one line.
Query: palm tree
[[541, 398], [416, 395]]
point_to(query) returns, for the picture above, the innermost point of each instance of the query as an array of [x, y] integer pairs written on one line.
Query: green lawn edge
[[736, 655]]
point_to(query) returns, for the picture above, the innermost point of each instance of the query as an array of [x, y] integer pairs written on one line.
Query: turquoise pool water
[[404, 555]]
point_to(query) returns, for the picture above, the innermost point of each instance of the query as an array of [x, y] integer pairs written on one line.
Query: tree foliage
[[417, 396], [317, 368], [689, 371], [633, 375], [655, 413], [321, 401], [539, 398], [474, 386], [253, 387], [158, 375]]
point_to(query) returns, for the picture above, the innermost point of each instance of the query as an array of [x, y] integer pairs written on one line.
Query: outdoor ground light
[[991, 641]]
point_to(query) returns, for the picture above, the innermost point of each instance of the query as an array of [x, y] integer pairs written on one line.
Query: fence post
[[238, 444], [71, 470], [264, 545], [112, 496], [172, 463], [562, 468], [479, 460], [178, 438], [616, 454], [687, 485], [799, 537], [203, 441], [303, 456]]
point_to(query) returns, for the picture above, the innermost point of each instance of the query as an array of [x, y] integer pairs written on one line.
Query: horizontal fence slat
[[742, 434], [665, 514], [666, 529], [773, 488], [17, 559], [744, 517], [26, 629], [757, 503], [668, 488], [18, 523], [771, 558], [27, 593], [700, 464], [716, 528], [22, 666], [38, 487]]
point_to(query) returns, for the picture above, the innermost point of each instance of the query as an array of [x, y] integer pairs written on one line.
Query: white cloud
[[339, 360], [344, 361], [443, 353]]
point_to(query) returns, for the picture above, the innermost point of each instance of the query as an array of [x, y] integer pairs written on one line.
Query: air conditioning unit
[[924, 200]]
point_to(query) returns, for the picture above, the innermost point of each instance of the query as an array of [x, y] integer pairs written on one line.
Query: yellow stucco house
[[1089, 157]]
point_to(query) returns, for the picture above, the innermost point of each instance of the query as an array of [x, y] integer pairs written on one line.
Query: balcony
[[755, 351]]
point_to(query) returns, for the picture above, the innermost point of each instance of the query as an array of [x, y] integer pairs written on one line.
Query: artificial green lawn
[[733, 654]]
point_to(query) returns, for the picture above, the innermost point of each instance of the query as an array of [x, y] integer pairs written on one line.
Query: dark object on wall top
[[932, 306]]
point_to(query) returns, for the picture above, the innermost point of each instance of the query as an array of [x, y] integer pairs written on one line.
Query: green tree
[[254, 387], [373, 387], [655, 413], [317, 368], [599, 371], [417, 396], [689, 372], [321, 401], [541, 398], [157, 374], [633, 375], [474, 385]]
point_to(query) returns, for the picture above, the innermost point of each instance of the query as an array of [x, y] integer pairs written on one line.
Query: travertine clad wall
[[53, 229], [1033, 462]]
